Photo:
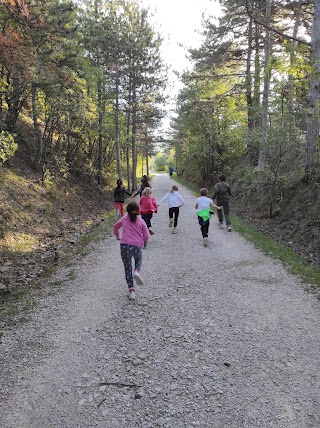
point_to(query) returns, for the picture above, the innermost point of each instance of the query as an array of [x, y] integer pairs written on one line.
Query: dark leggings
[[174, 211], [204, 224], [147, 219], [127, 252]]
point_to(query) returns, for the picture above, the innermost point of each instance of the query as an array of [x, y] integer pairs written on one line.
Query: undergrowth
[[308, 272]]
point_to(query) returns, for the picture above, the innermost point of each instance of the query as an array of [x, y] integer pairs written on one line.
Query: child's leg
[[126, 252], [204, 225], [121, 209], [147, 218], [176, 215], [170, 217], [137, 255], [118, 209], [150, 217]]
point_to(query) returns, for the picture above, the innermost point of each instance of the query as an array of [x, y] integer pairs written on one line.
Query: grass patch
[[20, 242], [296, 264], [308, 272], [96, 233]]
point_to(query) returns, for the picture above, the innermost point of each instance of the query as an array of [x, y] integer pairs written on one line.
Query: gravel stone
[[221, 336]]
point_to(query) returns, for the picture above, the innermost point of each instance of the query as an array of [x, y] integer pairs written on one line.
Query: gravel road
[[218, 337]]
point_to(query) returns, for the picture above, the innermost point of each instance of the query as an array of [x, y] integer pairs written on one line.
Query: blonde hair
[[146, 191], [203, 191]]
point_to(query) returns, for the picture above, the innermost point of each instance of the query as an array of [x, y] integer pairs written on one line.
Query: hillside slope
[[295, 221], [39, 222]]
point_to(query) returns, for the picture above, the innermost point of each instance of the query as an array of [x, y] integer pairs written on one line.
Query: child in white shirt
[[175, 201], [204, 206]]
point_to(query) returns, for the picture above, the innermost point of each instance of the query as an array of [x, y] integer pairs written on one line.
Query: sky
[[179, 23]]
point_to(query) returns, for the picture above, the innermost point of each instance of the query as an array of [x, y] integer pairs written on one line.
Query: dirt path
[[218, 337]]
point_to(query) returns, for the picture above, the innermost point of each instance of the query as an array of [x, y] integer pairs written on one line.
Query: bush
[[8, 146]]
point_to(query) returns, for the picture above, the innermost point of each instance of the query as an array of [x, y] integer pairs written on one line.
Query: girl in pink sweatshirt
[[134, 235], [148, 206]]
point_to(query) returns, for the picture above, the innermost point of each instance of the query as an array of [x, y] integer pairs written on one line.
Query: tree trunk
[[14, 103], [133, 138], [100, 136], [36, 127], [266, 87], [249, 99], [256, 117], [292, 55], [117, 126], [312, 136], [128, 150], [1, 99], [128, 145]]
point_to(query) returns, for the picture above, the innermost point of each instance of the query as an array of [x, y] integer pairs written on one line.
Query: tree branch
[[269, 27]]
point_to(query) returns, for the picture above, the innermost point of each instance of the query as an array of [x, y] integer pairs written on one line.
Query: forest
[[83, 95]]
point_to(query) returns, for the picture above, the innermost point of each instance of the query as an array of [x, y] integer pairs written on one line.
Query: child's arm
[[145, 232], [196, 206], [155, 205], [213, 205], [128, 193], [164, 198], [182, 200], [116, 228]]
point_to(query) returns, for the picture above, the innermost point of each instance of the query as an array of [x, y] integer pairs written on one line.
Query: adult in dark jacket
[[144, 183], [222, 191], [120, 194]]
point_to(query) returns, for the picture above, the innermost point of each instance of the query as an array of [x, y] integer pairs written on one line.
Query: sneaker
[[137, 277], [151, 232], [171, 222], [132, 294], [229, 228], [220, 224], [205, 242], [174, 230]]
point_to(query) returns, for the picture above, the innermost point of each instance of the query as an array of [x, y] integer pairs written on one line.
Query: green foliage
[[308, 272], [160, 162], [8, 146]]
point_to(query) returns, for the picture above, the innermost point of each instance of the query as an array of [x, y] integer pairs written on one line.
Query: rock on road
[[218, 337]]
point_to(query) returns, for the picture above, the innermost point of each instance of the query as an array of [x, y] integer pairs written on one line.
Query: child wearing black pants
[[204, 206]]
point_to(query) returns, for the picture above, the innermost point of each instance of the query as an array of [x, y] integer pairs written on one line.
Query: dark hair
[[133, 210], [119, 182], [222, 177]]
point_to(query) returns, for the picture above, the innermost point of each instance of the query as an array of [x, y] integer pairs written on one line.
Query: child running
[[134, 235], [204, 206], [175, 201], [119, 195], [148, 206]]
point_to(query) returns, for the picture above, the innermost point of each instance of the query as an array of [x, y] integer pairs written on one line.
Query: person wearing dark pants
[[134, 235], [173, 215], [204, 207], [148, 206], [175, 201], [204, 226], [222, 191]]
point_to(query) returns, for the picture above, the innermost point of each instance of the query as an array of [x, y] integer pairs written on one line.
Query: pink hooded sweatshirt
[[148, 205], [133, 232]]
